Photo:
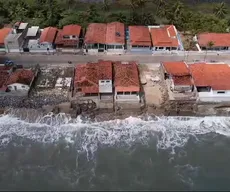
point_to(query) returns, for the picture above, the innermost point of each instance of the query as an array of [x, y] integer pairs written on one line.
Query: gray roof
[[22, 25], [13, 37], [32, 31]]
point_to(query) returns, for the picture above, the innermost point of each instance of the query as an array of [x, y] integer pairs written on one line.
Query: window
[[73, 36], [119, 93], [161, 48], [127, 93], [102, 81], [110, 46], [133, 93], [65, 37], [107, 81], [118, 46], [220, 92], [23, 86]]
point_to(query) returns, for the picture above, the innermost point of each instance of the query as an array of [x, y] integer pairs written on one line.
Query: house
[[15, 39], [69, 37], [4, 75], [45, 43], [16, 83], [126, 82], [211, 81], [221, 41], [3, 34], [165, 38], [178, 75], [139, 39], [94, 80], [106, 38]]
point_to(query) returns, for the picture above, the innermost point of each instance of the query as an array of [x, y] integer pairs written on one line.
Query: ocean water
[[148, 153]]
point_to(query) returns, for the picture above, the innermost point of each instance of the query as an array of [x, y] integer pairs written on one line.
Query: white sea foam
[[171, 131]]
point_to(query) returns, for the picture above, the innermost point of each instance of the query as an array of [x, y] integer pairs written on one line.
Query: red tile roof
[[139, 35], [126, 77], [176, 68], [95, 33], [182, 80], [71, 30], [3, 33], [110, 33], [164, 36], [23, 76], [115, 33], [4, 75], [213, 75], [48, 34], [219, 39], [88, 75]]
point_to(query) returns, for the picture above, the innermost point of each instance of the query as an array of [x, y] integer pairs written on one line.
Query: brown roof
[[219, 39], [213, 75], [111, 33], [23, 76], [126, 77], [164, 36], [115, 33], [182, 80], [71, 30], [87, 76], [176, 68], [3, 33], [95, 33], [48, 34], [139, 35]]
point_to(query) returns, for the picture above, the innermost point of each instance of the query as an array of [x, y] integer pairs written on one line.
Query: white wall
[[105, 86], [18, 87], [213, 96]]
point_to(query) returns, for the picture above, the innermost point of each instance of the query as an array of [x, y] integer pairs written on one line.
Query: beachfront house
[[211, 81], [126, 82], [139, 40], [165, 38], [16, 82], [178, 76], [94, 80]]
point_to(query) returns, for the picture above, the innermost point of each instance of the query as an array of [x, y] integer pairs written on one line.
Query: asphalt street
[[44, 60]]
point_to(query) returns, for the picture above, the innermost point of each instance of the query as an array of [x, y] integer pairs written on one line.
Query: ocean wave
[[171, 132]]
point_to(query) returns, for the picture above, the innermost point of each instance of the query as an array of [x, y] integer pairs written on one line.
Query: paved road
[[27, 60]]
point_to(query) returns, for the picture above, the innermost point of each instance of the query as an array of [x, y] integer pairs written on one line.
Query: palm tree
[[118, 17], [210, 44], [174, 11], [148, 19], [220, 10], [106, 5], [160, 5]]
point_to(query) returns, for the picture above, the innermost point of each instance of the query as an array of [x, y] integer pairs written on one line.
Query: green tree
[[148, 19], [160, 6], [118, 17], [220, 10], [106, 5]]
